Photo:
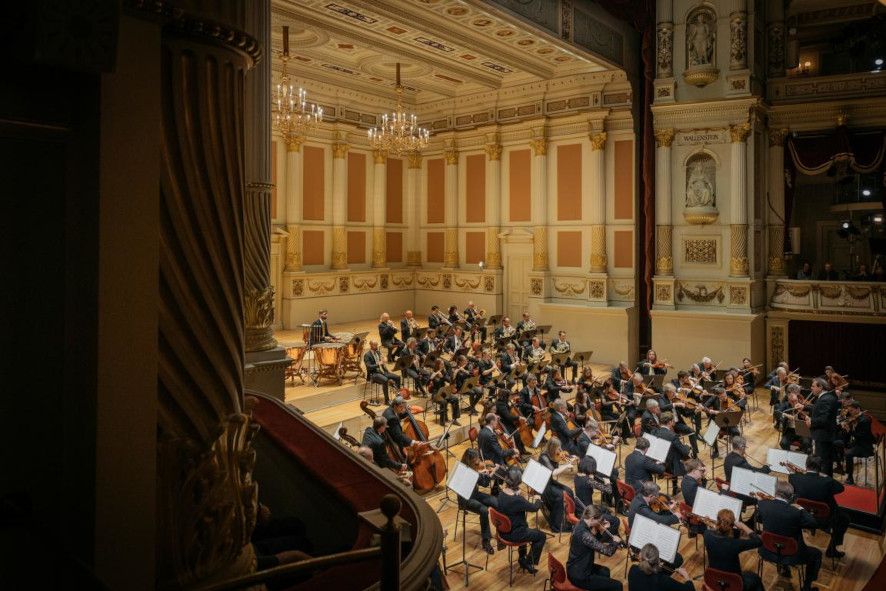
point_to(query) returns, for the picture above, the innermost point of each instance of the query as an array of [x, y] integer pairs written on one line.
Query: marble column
[[665, 39], [597, 217], [738, 209], [450, 214], [493, 205], [412, 213], [339, 204], [738, 36], [539, 196], [379, 208], [664, 258], [776, 223], [293, 191]]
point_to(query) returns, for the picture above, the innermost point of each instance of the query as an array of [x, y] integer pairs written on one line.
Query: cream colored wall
[[346, 308], [611, 333]]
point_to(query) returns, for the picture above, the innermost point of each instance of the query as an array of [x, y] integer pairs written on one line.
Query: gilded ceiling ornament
[[379, 156], [451, 156]]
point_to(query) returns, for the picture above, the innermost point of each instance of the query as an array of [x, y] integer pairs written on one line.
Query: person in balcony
[[828, 273], [805, 272], [862, 274]]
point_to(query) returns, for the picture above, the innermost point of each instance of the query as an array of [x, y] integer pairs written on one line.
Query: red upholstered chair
[[502, 524], [472, 435], [568, 514], [626, 492], [718, 580], [822, 513], [558, 580], [783, 547]]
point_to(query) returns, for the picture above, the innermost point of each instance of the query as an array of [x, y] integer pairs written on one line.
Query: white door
[[518, 264]]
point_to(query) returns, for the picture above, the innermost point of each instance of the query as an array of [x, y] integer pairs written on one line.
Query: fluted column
[[776, 223], [598, 202], [664, 259], [293, 192], [539, 195], [259, 295], [206, 498], [379, 208], [339, 204], [450, 215], [738, 210], [413, 195], [493, 205]]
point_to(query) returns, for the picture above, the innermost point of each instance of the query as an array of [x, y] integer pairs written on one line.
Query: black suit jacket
[[862, 437], [386, 332], [823, 425], [639, 469], [723, 551], [583, 545], [394, 428], [639, 506], [564, 433], [405, 331], [816, 487], [786, 520], [376, 443], [489, 446], [372, 364], [679, 451], [689, 487], [734, 459]]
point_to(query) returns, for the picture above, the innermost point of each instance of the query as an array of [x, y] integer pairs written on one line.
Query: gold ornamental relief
[[700, 251], [539, 146], [467, 283], [598, 249], [294, 144], [340, 150], [493, 152], [664, 266], [738, 295], [339, 246], [776, 345], [739, 133], [701, 294], [777, 137], [539, 248], [569, 288], [663, 293], [536, 286], [451, 156], [413, 258], [596, 290], [379, 156], [598, 140], [664, 138], [414, 159]]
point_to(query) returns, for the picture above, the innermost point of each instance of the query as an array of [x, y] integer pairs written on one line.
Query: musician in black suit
[[560, 346], [584, 543], [509, 358], [513, 506], [777, 384], [462, 372], [505, 330], [860, 438], [638, 467], [388, 333], [790, 405], [647, 574], [621, 373], [647, 367], [640, 506], [823, 423], [678, 452], [587, 481], [393, 414], [374, 439], [668, 402], [407, 326], [528, 394], [426, 343], [437, 319], [716, 404], [724, 548], [377, 372], [552, 495], [415, 370], [780, 517], [455, 341], [689, 485], [445, 397], [561, 429], [503, 408], [479, 502], [738, 458], [487, 442], [650, 421], [320, 329], [815, 486]]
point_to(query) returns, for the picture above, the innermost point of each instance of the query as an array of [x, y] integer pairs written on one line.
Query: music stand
[[462, 481], [420, 332], [726, 421], [801, 428], [582, 357], [404, 361], [467, 385]]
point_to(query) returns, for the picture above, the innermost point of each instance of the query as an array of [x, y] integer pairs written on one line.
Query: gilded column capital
[[414, 159], [598, 140], [451, 155], [379, 156], [340, 150], [493, 152], [294, 144], [739, 133], [777, 136], [664, 138], [539, 146]]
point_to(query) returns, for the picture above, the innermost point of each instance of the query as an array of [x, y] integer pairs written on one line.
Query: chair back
[[501, 522], [718, 580], [568, 504], [821, 511], [557, 570], [783, 546], [625, 490]]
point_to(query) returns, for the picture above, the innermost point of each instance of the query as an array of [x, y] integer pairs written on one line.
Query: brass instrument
[[560, 347], [508, 331]]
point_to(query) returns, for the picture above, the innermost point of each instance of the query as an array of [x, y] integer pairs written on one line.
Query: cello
[[428, 465], [522, 425], [391, 446]]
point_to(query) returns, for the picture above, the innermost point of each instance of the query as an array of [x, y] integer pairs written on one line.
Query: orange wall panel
[[569, 182], [475, 188], [475, 247], [394, 209], [435, 191], [313, 191], [435, 247], [520, 177], [356, 247], [356, 187], [624, 180], [569, 249], [394, 246], [623, 256], [312, 247]]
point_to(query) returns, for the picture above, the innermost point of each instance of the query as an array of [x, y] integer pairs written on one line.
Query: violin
[[663, 364], [661, 503], [793, 468]]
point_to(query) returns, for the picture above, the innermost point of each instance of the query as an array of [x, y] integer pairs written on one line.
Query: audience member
[[805, 272], [828, 273]]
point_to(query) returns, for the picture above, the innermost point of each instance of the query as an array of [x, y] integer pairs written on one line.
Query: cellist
[[510, 417], [487, 441], [374, 439]]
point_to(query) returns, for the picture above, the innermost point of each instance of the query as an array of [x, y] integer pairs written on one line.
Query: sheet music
[[605, 459], [538, 436], [711, 433], [337, 434], [536, 476], [775, 456], [745, 482], [646, 531], [708, 504], [463, 480], [658, 447]]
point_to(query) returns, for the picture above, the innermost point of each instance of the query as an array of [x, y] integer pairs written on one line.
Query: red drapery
[[861, 151]]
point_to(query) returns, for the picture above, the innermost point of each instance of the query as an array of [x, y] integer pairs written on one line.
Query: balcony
[[859, 298], [795, 89]]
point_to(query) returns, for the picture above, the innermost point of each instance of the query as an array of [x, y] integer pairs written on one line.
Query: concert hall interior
[[429, 294]]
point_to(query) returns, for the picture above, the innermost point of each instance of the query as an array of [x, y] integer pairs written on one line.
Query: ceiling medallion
[[293, 116], [398, 132]]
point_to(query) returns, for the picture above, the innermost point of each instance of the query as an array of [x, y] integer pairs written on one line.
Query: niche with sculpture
[[700, 205], [701, 47]]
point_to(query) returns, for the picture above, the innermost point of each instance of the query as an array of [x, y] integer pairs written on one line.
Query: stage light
[[878, 61], [878, 218], [866, 192], [845, 225]]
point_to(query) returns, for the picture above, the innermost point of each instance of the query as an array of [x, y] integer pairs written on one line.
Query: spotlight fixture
[[878, 218], [866, 192], [878, 61], [845, 225]]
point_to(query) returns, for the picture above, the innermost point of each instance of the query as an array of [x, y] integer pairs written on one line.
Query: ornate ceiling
[[447, 48]]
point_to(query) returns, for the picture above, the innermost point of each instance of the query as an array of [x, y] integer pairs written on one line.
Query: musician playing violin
[[786, 413], [777, 385], [552, 495], [689, 485], [678, 451], [587, 481], [620, 374], [555, 385], [734, 389], [780, 517], [716, 404], [647, 574], [683, 385], [707, 368], [750, 374], [668, 401], [651, 365], [859, 438], [479, 502], [588, 538], [487, 442], [638, 467], [724, 548], [669, 514], [514, 507]]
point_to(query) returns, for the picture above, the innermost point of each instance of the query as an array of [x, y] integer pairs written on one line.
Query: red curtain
[[862, 151], [852, 348]]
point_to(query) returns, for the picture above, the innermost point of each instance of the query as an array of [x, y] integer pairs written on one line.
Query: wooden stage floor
[[327, 406]]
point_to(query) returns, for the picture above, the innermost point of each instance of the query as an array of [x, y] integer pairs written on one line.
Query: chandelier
[[398, 132], [293, 116]]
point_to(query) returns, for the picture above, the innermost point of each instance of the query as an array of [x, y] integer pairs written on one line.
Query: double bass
[[428, 466]]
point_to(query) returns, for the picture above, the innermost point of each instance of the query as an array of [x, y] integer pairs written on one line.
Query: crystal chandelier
[[398, 132], [293, 116]]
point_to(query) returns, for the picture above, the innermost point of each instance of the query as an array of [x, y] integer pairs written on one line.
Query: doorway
[[517, 250]]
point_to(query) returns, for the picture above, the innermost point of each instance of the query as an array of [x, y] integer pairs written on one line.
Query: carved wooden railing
[[829, 297], [810, 88]]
